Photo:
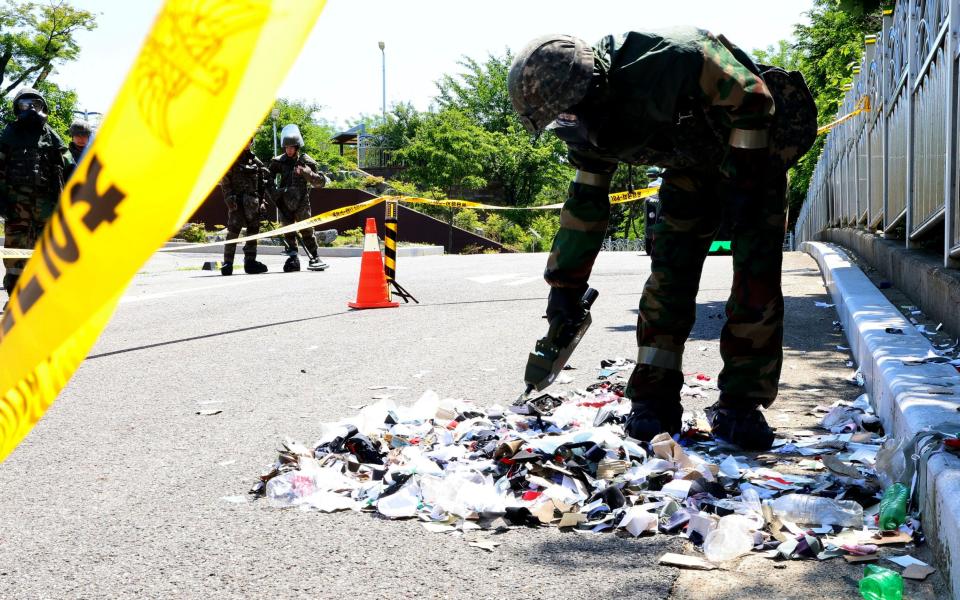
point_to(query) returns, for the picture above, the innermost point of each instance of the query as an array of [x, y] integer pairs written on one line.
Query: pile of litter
[[564, 460]]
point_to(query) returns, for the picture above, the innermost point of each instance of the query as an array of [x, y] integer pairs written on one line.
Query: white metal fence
[[895, 166]]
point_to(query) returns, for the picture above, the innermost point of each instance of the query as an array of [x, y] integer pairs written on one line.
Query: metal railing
[[894, 168]]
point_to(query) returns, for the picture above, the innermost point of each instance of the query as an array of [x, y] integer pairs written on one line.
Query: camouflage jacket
[[33, 167], [247, 175], [669, 99], [287, 182]]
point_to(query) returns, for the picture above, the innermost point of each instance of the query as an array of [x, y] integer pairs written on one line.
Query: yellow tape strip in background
[[204, 79], [330, 215]]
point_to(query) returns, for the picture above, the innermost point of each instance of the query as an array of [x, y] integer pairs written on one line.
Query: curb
[[901, 394], [326, 252]]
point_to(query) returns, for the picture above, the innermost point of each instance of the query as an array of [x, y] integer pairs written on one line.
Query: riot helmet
[[290, 136], [550, 75]]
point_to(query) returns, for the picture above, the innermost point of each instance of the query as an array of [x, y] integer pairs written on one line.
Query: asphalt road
[[119, 491]]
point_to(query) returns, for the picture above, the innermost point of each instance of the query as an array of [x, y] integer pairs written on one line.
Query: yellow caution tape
[[862, 106], [623, 197], [346, 211], [330, 215], [204, 79]]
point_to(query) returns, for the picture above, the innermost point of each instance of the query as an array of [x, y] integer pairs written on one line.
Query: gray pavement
[[119, 490]]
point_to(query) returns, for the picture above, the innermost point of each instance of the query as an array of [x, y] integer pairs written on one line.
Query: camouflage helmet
[[80, 127], [25, 93], [290, 136], [551, 74]]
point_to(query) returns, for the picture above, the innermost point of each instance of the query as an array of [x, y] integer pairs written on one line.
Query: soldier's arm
[[583, 223], [746, 103], [310, 171]]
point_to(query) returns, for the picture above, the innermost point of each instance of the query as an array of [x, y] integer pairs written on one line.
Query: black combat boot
[[252, 266], [655, 393], [648, 418], [743, 426], [292, 264], [226, 268]]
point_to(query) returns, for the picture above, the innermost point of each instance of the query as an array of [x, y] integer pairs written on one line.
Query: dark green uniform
[[679, 100], [34, 164], [292, 195], [243, 189]]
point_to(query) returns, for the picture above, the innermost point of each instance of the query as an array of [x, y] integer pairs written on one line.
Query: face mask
[[31, 111]]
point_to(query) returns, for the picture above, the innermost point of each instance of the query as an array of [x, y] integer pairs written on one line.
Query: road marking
[[526, 280], [202, 288]]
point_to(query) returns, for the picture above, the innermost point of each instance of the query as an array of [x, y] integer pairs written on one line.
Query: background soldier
[[80, 132], [34, 164], [696, 105], [243, 191], [294, 173]]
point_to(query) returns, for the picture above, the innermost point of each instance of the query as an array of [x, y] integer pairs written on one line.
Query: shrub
[[195, 233]]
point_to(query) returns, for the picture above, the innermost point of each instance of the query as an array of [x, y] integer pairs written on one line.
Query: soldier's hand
[[298, 170], [565, 303]]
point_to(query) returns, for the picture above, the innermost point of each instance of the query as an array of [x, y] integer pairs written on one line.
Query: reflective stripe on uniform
[[748, 139], [658, 357], [600, 180]]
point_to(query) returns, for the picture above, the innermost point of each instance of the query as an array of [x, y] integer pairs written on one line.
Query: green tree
[[449, 152], [35, 38], [524, 165]]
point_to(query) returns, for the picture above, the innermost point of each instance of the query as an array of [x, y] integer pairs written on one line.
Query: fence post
[[912, 9], [885, 133], [951, 197]]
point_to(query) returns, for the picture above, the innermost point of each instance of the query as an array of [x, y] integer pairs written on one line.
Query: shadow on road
[[215, 334]]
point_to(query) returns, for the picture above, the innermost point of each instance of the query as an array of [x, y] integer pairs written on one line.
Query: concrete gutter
[[920, 276], [908, 398], [343, 251]]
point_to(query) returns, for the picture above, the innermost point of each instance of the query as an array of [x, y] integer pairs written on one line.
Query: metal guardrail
[[622, 245], [895, 167]]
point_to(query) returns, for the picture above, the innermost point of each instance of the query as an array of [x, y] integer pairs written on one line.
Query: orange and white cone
[[372, 292]]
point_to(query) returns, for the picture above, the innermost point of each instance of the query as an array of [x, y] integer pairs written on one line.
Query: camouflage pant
[[242, 211], [23, 226], [291, 211], [692, 205]]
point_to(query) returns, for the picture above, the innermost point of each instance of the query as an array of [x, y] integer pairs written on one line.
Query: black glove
[[565, 303]]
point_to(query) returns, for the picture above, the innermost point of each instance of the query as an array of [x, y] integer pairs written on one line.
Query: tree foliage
[[36, 37], [526, 168]]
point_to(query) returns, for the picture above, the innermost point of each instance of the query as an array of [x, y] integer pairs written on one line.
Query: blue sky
[[340, 65]]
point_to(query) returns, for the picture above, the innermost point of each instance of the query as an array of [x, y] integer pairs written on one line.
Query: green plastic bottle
[[893, 506], [881, 584]]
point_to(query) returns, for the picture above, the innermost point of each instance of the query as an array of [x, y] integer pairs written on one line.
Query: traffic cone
[[372, 292]]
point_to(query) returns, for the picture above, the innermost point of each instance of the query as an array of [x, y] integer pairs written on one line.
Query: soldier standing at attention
[[243, 188], [294, 173], [34, 164], [80, 132], [693, 103]]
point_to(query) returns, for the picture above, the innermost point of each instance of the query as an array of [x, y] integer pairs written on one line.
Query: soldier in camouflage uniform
[[696, 105], [294, 173], [243, 188], [80, 132], [34, 164]]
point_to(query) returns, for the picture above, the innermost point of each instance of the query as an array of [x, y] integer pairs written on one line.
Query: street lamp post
[[274, 114], [383, 63]]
